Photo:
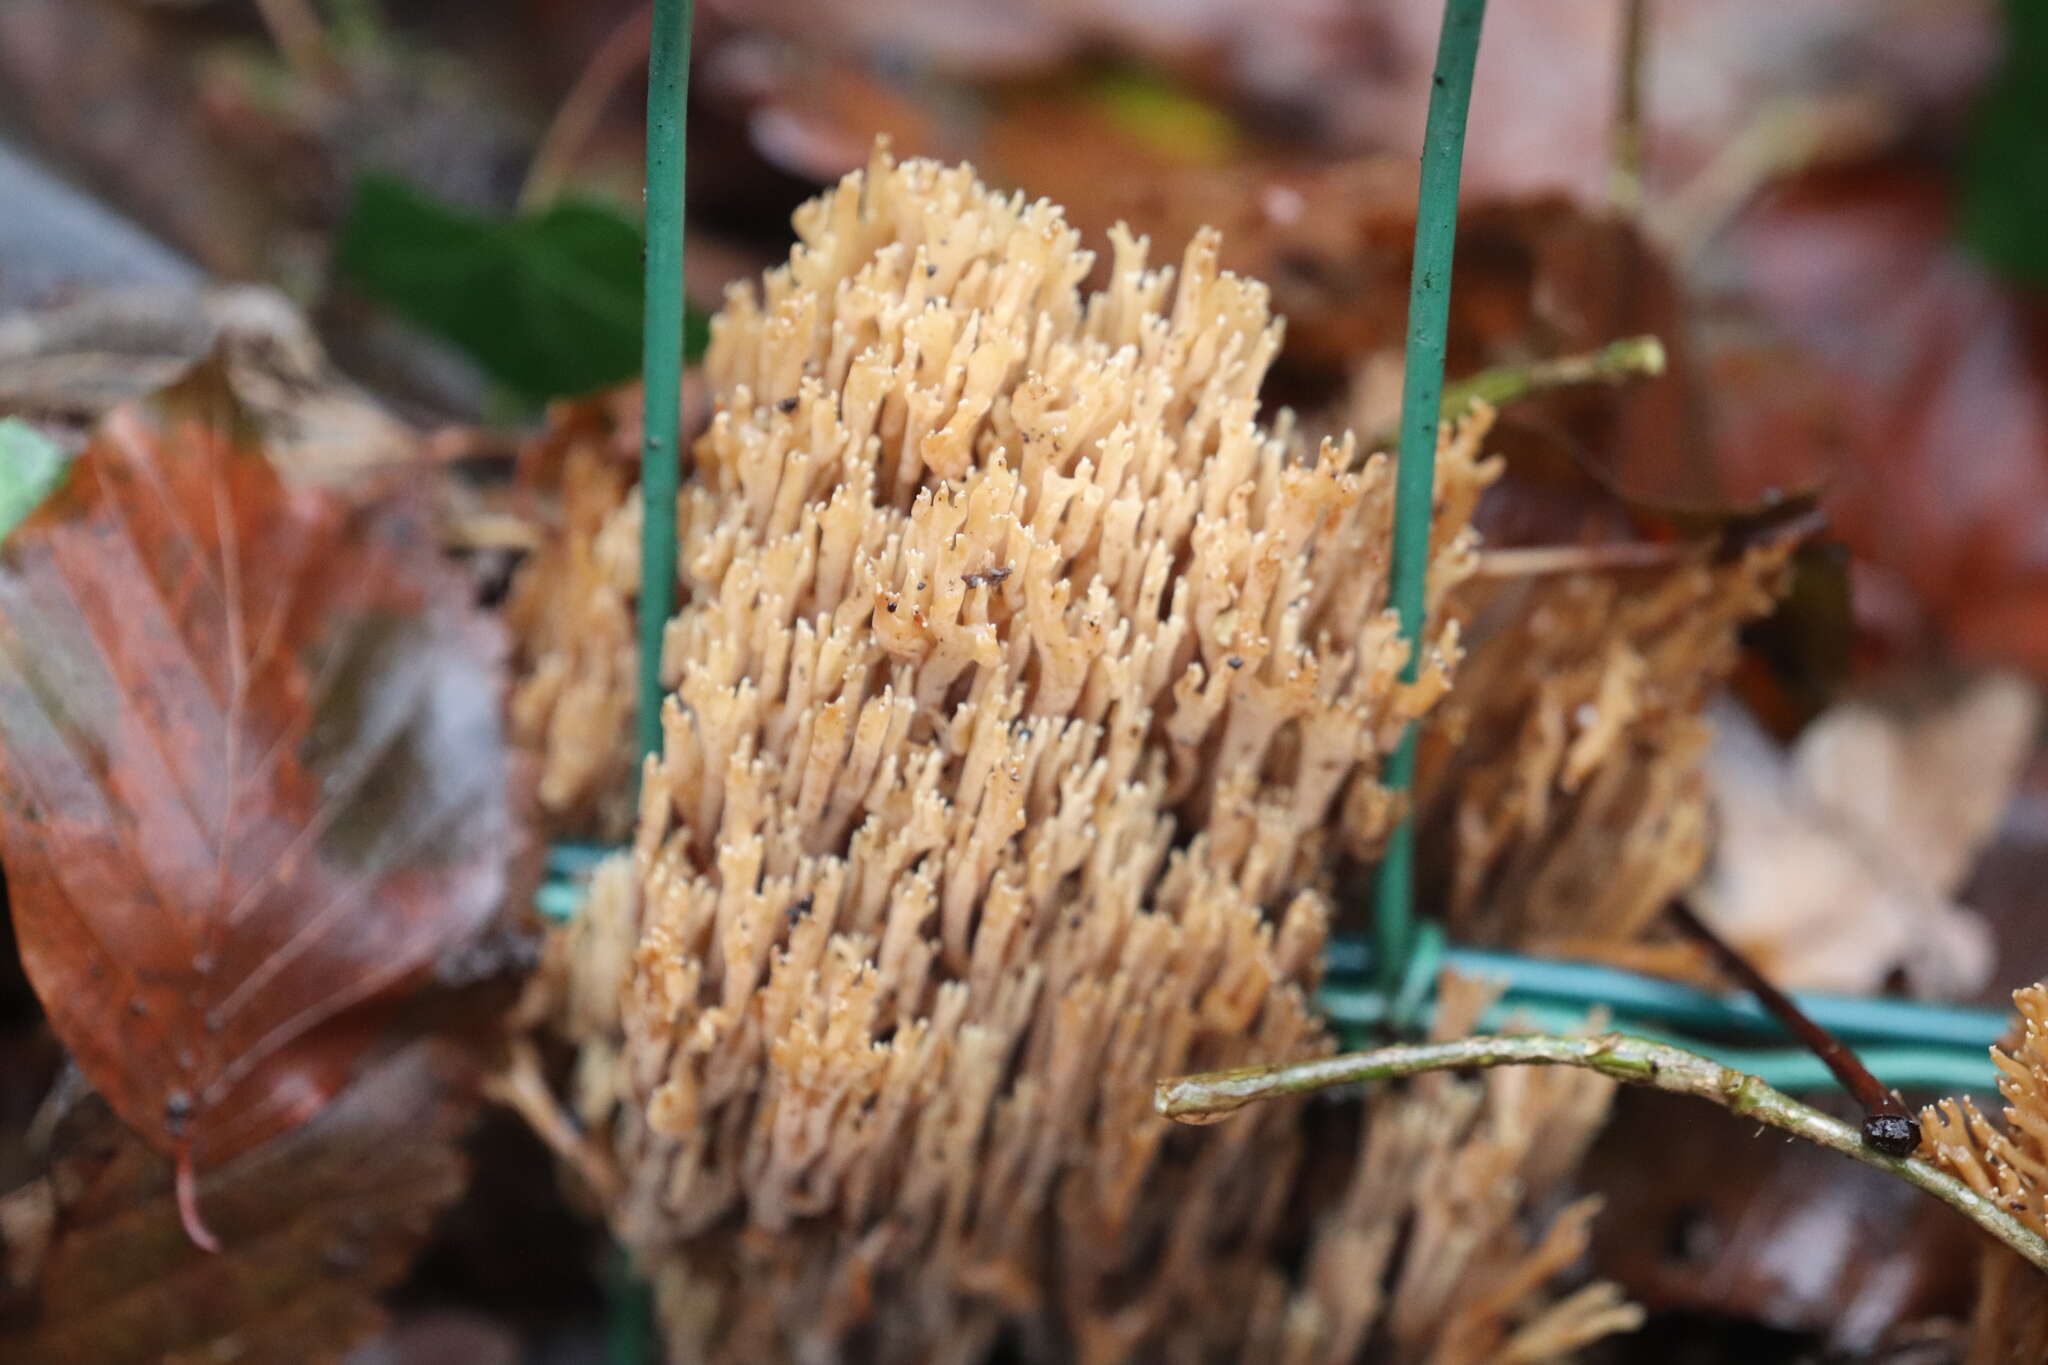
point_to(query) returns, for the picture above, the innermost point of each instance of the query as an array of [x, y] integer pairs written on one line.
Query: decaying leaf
[[1785, 1234], [252, 775], [66, 366], [1836, 863], [1950, 548], [316, 1225]]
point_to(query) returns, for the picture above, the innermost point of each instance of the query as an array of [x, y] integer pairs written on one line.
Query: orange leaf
[[252, 776]]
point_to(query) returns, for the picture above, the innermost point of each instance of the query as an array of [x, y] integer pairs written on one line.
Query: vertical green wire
[[1429, 309], [661, 382], [661, 369]]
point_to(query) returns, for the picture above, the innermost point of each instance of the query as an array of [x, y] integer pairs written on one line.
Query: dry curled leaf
[[252, 773], [1836, 862], [316, 1226]]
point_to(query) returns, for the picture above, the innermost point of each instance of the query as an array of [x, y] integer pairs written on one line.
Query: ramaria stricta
[[1028, 693], [2008, 1164]]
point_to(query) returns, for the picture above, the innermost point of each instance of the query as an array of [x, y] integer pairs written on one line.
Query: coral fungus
[[1027, 693]]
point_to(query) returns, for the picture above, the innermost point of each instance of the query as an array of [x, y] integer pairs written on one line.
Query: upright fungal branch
[[2009, 1165], [1025, 691]]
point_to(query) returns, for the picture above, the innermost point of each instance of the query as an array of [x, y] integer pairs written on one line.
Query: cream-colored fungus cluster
[[2008, 1164], [1027, 691], [1563, 786]]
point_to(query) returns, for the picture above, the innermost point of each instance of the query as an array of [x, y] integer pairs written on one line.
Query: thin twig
[[492, 531], [1618, 362], [616, 60], [1784, 136], [1535, 561], [1208, 1097], [1886, 1124], [1625, 179], [296, 29]]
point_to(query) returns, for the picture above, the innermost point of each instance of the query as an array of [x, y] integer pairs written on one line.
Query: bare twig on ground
[[1210, 1096]]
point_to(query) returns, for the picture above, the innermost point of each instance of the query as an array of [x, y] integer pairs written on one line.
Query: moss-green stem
[[1637, 1061], [1615, 363], [1618, 362]]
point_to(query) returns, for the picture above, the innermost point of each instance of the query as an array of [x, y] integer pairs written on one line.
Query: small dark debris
[[787, 404], [988, 578], [1692, 1238], [1235, 661], [1895, 1135], [801, 907], [344, 1258]]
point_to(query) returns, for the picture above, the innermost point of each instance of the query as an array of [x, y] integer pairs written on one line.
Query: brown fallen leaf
[[1932, 435], [1837, 862], [66, 366], [253, 779], [1779, 1233], [317, 1224]]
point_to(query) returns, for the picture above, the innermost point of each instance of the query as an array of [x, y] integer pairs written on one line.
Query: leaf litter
[[255, 782]]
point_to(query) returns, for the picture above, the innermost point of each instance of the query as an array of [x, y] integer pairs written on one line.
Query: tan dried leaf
[[1837, 863]]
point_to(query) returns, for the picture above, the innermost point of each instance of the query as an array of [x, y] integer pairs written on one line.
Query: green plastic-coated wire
[[661, 383], [1907, 1043], [661, 368], [1429, 311], [1581, 985]]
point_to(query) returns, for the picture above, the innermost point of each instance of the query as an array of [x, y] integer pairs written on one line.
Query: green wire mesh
[[1371, 987], [1905, 1043]]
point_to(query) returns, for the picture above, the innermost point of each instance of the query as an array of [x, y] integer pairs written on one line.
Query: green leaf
[[31, 468], [548, 303], [2005, 171]]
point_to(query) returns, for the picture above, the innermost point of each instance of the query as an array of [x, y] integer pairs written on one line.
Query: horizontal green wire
[[1904, 1042], [1854, 1018], [569, 859]]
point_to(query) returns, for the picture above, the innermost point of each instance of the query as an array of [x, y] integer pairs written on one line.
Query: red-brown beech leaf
[[316, 1226], [252, 775]]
